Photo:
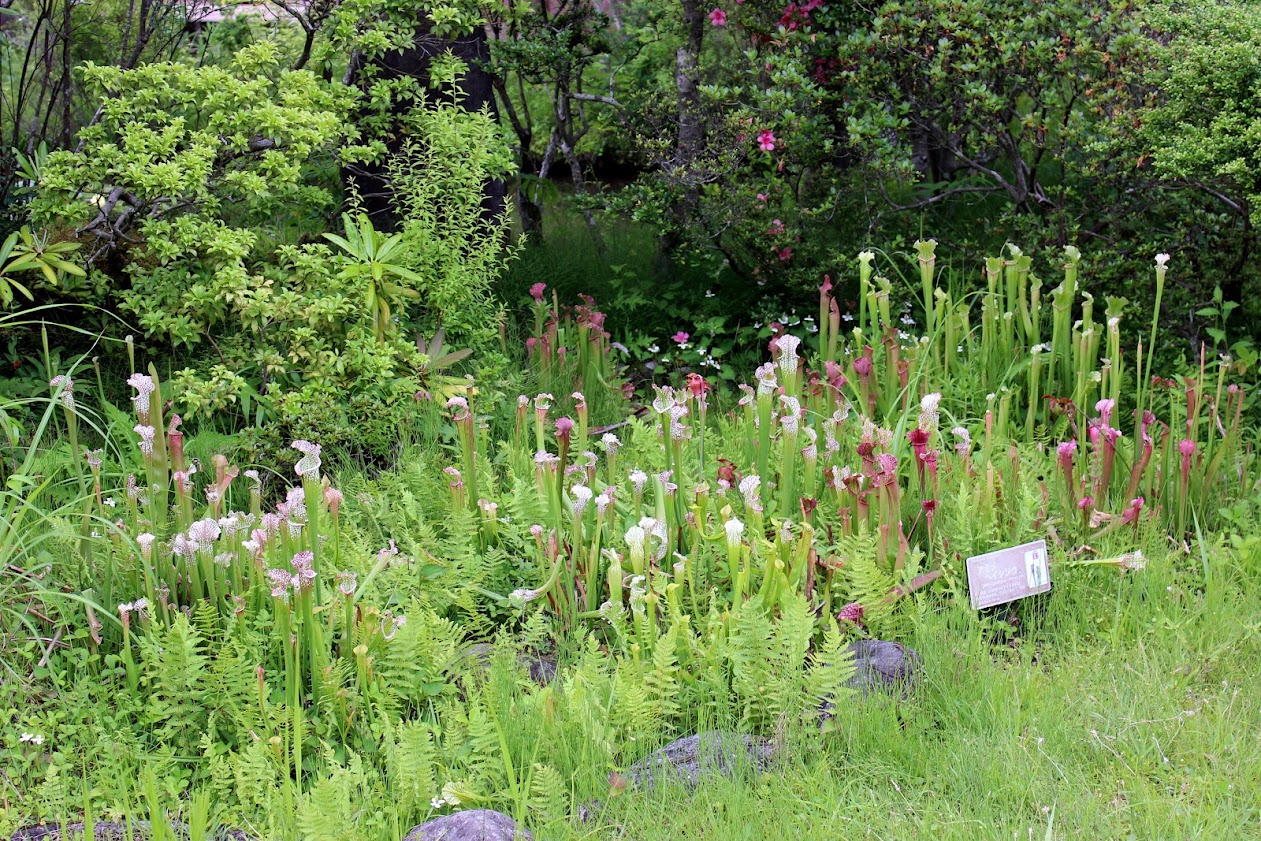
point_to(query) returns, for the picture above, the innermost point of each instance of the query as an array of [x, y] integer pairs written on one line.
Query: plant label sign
[[1008, 574]]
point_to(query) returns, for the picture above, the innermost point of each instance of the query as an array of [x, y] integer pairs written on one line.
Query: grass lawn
[[1133, 713]]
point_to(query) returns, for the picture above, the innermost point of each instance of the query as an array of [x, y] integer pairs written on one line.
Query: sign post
[[1008, 574]]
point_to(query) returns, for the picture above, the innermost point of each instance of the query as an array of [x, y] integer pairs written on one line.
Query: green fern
[[549, 794], [831, 667], [410, 761], [662, 680], [174, 680]]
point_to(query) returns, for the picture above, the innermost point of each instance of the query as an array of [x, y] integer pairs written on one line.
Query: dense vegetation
[[411, 408]]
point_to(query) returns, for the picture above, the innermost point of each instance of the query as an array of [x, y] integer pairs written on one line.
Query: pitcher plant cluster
[[854, 471], [833, 475]]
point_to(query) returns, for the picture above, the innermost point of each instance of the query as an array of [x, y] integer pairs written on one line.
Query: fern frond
[[831, 667]]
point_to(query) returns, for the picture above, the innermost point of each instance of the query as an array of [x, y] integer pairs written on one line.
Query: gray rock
[[473, 825], [542, 670], [883, 666], [691, 758]]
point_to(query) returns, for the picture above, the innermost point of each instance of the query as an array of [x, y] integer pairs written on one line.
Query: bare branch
[[591, 97]]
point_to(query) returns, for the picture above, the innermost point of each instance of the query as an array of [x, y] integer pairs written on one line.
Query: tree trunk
[[691, 131]]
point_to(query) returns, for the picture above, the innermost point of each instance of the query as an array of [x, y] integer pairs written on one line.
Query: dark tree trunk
[[691, 131], [476, 92]]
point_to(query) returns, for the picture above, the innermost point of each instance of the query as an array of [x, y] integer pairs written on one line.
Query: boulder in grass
[[692, 758], [883, 666], [540, 668], [473, 825]]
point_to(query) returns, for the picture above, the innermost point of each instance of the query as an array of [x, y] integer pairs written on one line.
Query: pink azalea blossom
[[718, 17], [766, 140], [761, 196], [785, 254]]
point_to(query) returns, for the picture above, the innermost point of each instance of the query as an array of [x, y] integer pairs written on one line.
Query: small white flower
[[309, 465], [928, 412], [142, 383], [786, 531], [749, 488], [61, 381], [146, 434], [1134, 560], [766, 383], [204, 532], [787, 345], [581, 496], [790, 420], [31, 739], [638, 478]]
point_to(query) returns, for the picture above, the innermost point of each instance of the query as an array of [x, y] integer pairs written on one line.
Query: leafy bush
[[186, 181]]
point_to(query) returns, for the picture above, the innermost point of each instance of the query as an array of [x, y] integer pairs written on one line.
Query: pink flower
[[1186, 448], [776, 228], [1130, 515], [1105, 408], [766, 140], [718, 17], [697, 385], [852, 612], [680, 337], [536, 291], [785, 254], [333, 499], [761, 196]]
